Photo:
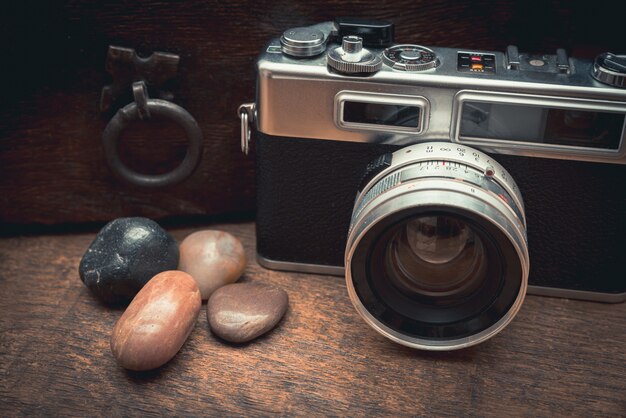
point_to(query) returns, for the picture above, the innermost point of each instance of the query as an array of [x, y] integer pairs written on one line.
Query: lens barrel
[[437, 256]]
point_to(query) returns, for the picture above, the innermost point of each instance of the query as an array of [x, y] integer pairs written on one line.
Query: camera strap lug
[[247, 114]]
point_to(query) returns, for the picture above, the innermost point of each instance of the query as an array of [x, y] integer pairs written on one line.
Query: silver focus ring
[[459, 154], [505, 212]]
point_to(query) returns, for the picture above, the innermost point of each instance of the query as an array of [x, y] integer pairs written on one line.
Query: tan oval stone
[[213, 258], [241, 312], [157, 322]]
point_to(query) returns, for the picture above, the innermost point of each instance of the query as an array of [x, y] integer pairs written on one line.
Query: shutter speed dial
[[410, 58]]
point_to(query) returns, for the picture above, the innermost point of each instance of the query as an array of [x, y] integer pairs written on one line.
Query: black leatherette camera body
[[576, 222]]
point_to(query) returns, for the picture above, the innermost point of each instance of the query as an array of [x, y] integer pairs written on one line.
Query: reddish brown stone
[[157, 322], [241, 312], [213, 258]]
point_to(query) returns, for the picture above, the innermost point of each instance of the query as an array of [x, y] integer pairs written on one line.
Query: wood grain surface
[[52, 168], [558, 358]]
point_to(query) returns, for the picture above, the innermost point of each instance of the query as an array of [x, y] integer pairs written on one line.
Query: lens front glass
[[438, 257], [438, 275]]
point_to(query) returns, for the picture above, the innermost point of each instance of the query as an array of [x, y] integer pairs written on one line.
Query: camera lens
[[437, 255]]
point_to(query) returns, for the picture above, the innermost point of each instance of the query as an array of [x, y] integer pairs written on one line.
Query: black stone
[[125, 254]]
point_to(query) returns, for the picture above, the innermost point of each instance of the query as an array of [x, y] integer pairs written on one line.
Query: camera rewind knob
[[610, 69], [352, 58], [303, 42]]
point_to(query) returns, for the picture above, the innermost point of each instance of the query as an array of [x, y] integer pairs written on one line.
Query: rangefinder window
[[520, 123], [382, 114]]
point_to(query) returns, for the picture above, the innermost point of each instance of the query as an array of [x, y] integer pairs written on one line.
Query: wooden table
[[558, 358]]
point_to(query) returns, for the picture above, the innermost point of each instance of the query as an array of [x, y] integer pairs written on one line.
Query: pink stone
[[213, 259], [157, 322]]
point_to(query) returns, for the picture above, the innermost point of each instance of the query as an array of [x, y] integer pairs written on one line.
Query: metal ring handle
[[158, 108]]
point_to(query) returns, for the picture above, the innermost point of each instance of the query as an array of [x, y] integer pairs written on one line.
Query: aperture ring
[[417, 172], [449, 155]]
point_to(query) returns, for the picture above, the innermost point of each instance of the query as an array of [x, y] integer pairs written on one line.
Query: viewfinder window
[[382, 114]]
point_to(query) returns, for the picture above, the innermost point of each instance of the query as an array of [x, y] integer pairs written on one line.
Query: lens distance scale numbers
[[447, 153], [447, 160], [410, 58]]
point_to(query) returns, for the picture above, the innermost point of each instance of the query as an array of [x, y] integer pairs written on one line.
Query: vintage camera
[[444, 182]]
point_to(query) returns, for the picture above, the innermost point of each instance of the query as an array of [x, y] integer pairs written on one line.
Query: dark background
[[559, 357], [52, 169]]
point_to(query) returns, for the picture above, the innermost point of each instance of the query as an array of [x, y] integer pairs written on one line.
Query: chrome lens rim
[[420, 196]]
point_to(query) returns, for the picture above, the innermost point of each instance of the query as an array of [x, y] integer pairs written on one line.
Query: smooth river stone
[[125, 254], [213, 258], [241, 312], [157, 322]]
